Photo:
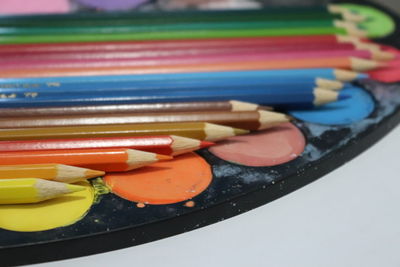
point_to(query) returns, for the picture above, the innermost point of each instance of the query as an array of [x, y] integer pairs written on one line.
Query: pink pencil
[[173, 52], [180, 60]]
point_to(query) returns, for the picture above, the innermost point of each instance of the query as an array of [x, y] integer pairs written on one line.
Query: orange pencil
[[356, 64], [98, 159]]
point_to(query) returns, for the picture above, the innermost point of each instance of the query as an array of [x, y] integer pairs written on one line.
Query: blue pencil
[[114, 86], [286, 75], [289, 98]]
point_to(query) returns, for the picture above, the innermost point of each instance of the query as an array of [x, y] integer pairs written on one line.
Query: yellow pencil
[[32, 190], [56, 172]]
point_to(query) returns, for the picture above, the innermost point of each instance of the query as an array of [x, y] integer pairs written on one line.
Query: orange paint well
[[164, 182]]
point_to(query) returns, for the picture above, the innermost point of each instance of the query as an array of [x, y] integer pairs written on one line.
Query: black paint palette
[[114, 223]]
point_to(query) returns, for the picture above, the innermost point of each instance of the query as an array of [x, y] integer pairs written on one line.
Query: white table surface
[[350, 217]]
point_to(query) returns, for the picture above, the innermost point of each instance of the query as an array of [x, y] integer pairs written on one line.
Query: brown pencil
[[196, 130], [163, 144], [117, 159], [250, 120], [232, 105]]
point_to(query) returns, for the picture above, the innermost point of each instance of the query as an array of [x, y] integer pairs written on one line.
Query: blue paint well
[[356, 108]]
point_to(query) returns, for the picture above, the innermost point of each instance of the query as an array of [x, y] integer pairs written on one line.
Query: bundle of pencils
[[81, 95]]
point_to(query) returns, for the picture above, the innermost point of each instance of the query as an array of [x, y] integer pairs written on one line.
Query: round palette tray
[[114, 223]]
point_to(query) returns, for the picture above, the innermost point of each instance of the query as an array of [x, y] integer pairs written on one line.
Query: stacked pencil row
[[113, 93]]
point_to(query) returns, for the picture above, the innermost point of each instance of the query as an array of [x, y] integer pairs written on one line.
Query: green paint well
[[378, 24]]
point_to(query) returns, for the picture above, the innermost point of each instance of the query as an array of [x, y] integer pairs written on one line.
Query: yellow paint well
[[49, 214]]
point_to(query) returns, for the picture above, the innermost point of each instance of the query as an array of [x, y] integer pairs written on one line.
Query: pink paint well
[[271, 147], [33, 6]]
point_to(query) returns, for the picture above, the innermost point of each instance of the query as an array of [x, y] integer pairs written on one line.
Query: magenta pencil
[[277, 41], [193, 51], [181, 60]]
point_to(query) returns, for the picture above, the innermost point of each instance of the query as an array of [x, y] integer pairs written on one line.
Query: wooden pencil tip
[[269, 119], [353, 17], [72, 174], [382, 55], [205, 144], [347, 39], [360, 64], [329, 84], [215, 132], [93, 173], [238, 131], [75, 188], [368, 46], [137, 158], [323, 96], [347, 75], [242, 106]]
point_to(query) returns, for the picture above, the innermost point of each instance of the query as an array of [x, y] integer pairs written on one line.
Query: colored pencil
[[174, 28], [123, 18], [196, 130], [355, 64], [163, 144], [297, 75], [300, 97], [231, 105], [55, 172], [155, 46], [33, 190], [217, 18], [293, 48], [105, 159], [119, 86], [199, 59], [184, 34], [250, 120]]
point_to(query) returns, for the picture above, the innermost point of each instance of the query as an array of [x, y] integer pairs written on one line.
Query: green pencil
[[270, 14], [168, 35], [177, 27]]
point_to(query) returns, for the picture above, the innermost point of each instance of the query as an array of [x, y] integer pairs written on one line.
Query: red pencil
[[166, 145], [173, 44]]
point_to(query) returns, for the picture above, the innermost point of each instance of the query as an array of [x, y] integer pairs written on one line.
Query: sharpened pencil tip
[[205, 144], [343, 96], [93, 173], [240, 131], [362, 76], [75, 188], [163, 157]]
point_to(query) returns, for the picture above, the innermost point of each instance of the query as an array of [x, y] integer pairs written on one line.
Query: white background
[[350, 217]]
